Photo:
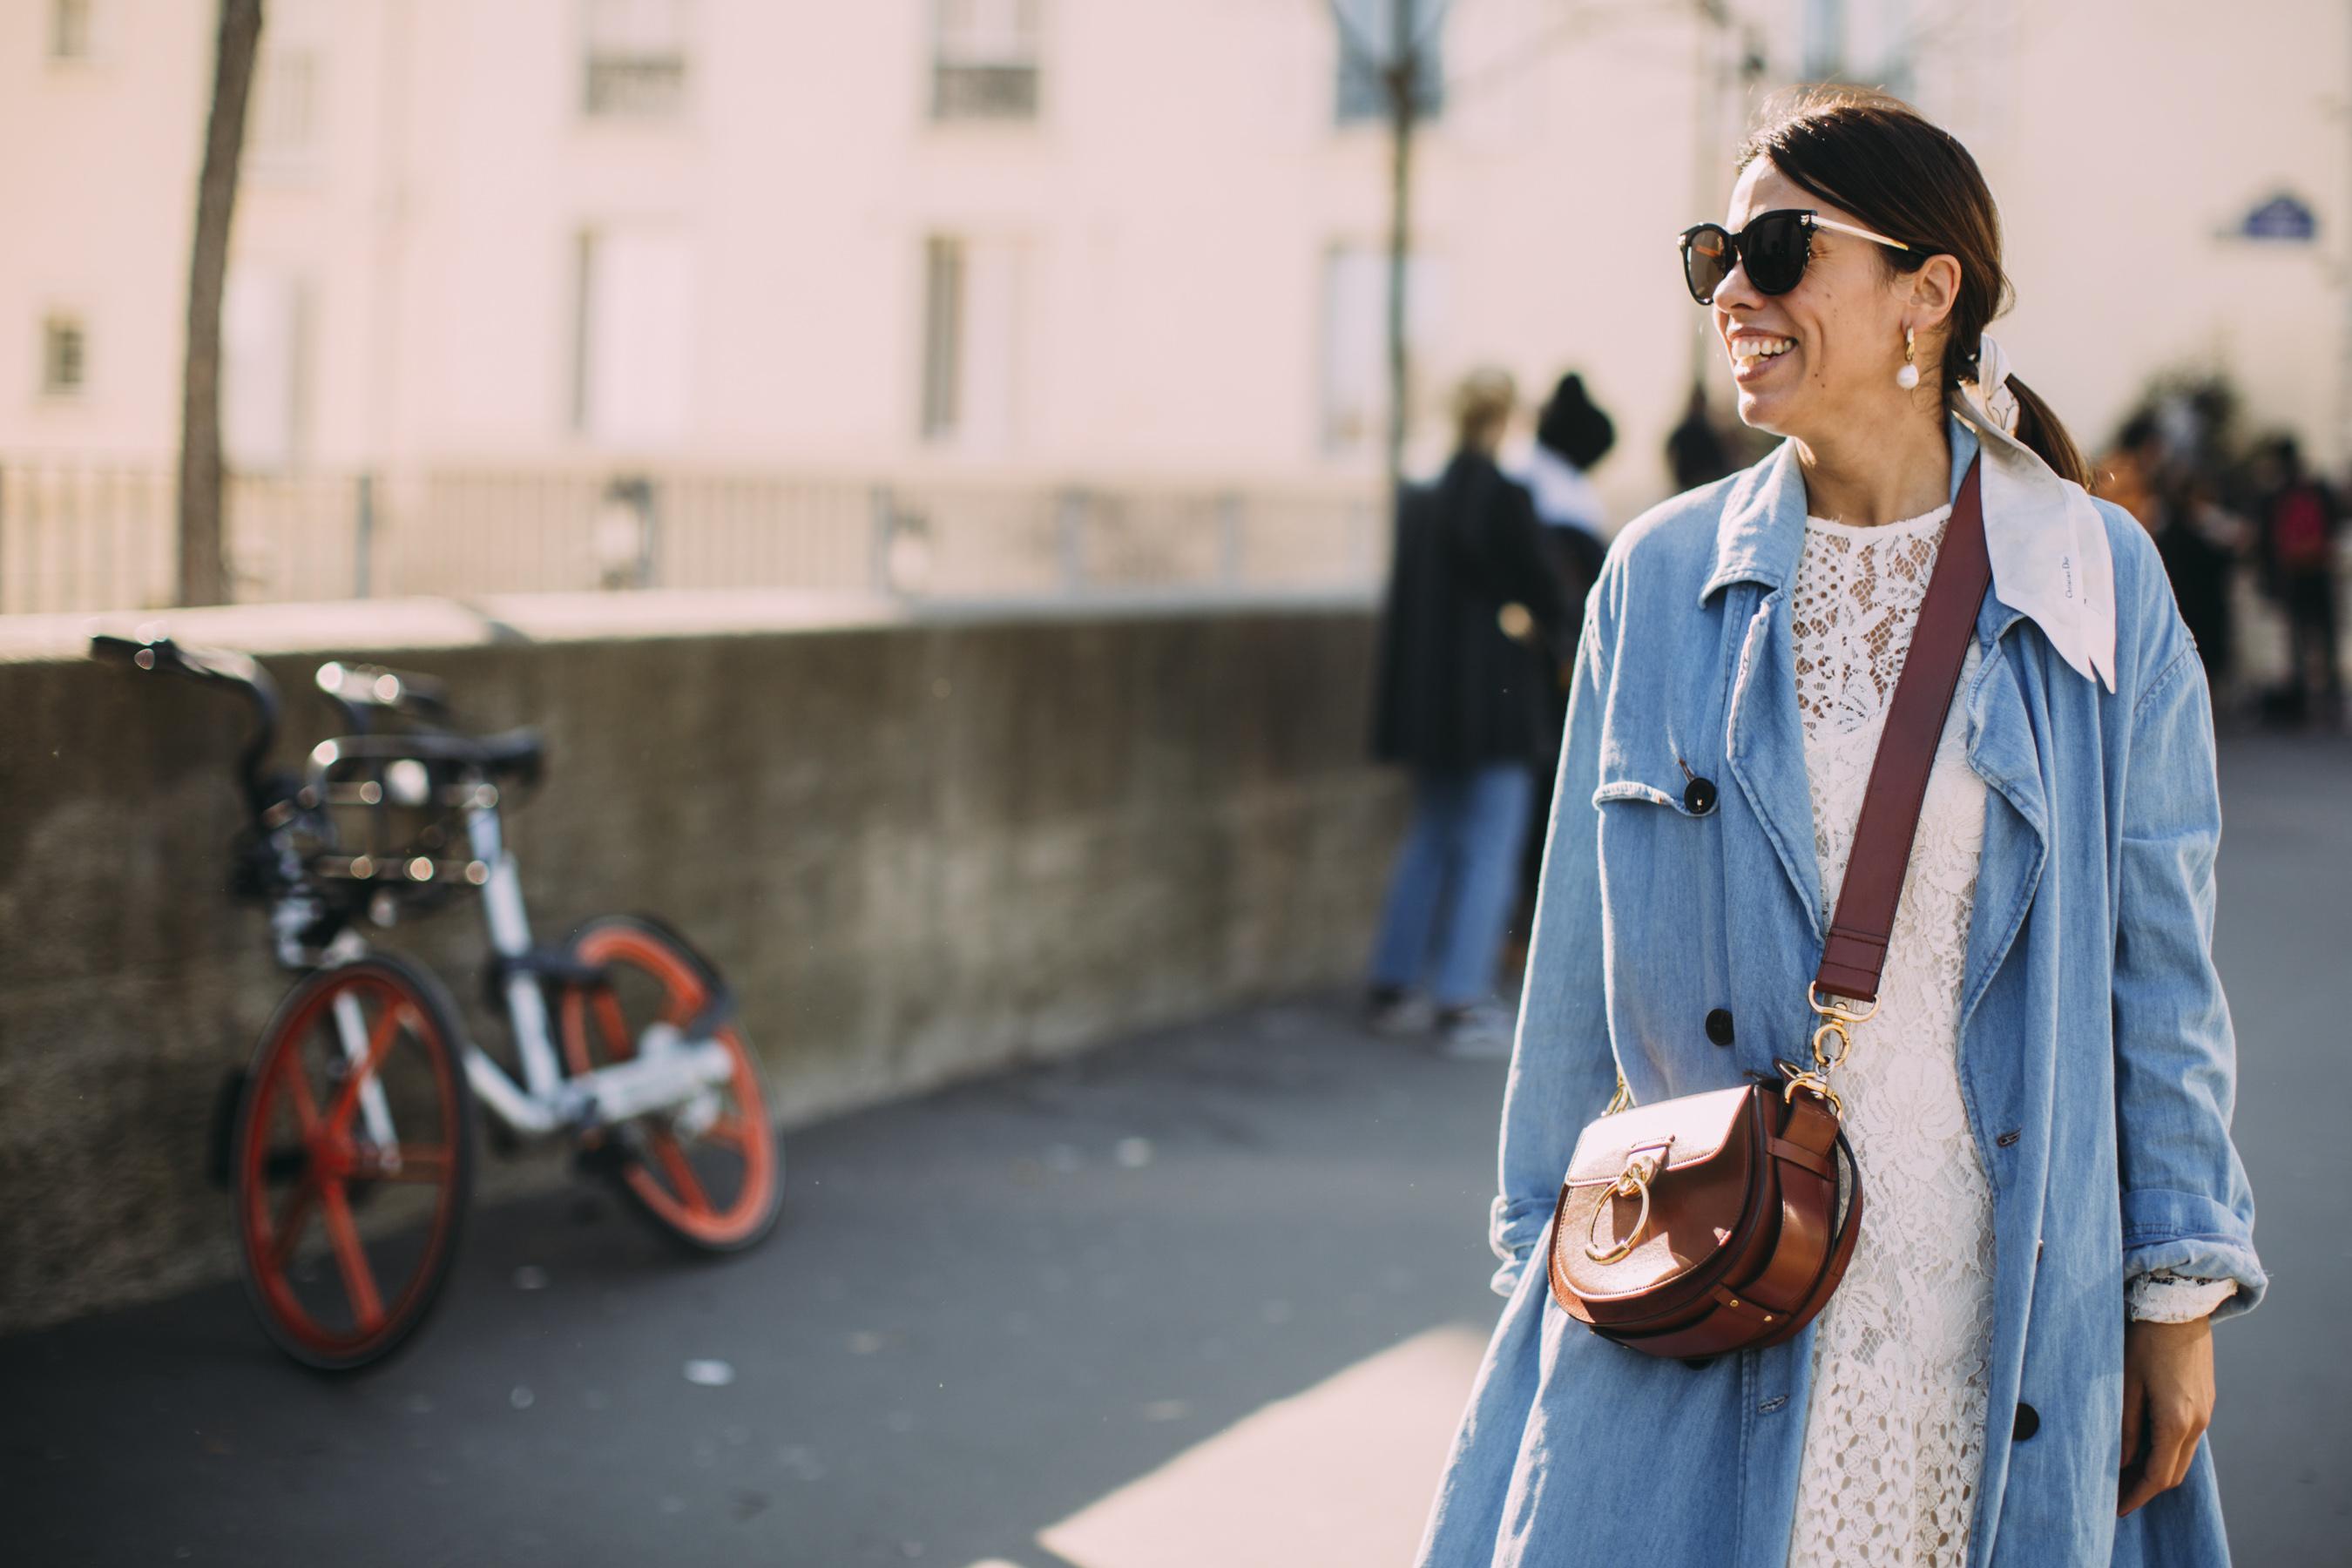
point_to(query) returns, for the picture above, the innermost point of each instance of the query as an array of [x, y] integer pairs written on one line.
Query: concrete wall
[[920, 850]]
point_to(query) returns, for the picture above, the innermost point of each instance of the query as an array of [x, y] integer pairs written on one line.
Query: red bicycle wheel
[[711, 1172], [353, 1162]]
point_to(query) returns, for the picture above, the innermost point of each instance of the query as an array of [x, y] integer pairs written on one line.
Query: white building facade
[[1082, 242]]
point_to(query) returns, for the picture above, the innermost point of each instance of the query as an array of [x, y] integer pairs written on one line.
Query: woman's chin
[[1759, 410]]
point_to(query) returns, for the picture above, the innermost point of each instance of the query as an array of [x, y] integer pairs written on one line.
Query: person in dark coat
[[1469, 649], [1695, 450], [2300, 520]]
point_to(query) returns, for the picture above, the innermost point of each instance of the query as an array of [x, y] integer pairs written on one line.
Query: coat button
[[1698, 797], [1718, 1026], [2028, 1422]]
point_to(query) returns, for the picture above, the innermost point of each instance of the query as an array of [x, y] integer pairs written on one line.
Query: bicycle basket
[[392, 815]]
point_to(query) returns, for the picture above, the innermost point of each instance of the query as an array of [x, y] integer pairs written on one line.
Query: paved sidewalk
[[984, 1311], [2283, 1435], [1062, 1301]]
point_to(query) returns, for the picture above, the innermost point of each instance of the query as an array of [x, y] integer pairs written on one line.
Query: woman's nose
[[1736, 289]]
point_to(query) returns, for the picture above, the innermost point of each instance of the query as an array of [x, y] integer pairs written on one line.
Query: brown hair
[[1877, 157]]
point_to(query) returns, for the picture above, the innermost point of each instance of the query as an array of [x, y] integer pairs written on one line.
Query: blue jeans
[[1450, 896]]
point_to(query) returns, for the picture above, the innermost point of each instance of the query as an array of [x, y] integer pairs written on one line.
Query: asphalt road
[[991, 1308]]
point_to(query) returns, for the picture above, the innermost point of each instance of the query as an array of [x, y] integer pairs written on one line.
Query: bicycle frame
[[668, 1070]]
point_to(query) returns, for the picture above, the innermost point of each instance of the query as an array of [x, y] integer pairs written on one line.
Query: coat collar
[[2048, 546], [1762, 529]]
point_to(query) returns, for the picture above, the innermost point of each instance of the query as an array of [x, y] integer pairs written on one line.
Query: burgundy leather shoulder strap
[[1856, 953]]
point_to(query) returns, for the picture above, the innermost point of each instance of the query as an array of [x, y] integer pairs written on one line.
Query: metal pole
[[881, 523], [1071, 539], [648, 534], [363, 539]]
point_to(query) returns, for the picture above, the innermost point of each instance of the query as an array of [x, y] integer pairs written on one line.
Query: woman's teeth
[[1755, 350]]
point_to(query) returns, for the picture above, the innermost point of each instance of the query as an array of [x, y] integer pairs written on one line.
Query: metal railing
[[76, 535]]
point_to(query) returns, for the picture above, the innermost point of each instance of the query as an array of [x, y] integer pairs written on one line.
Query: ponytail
[[2039, 428]]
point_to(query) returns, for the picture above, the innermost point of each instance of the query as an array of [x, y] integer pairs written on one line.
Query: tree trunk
[[204, 564], [1403, 77]]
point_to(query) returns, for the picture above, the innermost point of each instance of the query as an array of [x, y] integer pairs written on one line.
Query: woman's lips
[[1754, 355]]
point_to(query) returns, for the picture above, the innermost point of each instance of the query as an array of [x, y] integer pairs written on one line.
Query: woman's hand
[[2168, 1405]]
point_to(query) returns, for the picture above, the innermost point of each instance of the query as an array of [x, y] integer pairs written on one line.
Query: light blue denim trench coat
[[2097, 1061]]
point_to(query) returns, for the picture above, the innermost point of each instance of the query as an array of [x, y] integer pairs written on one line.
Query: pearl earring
[[1908, 376]]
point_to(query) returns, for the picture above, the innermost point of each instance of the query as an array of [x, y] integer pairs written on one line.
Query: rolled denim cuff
[[2188, 1234], [1514, 1227]]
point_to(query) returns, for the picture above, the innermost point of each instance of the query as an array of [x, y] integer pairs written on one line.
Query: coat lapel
[[1756, 545], [2005, 750]]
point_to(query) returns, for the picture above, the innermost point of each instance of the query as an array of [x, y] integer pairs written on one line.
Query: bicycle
[[351, 1154]]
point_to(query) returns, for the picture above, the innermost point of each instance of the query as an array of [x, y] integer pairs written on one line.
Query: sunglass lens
[[1707, 261], [1777, 245]]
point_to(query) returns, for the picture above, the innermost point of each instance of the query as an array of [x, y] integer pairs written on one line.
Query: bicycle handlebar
[[218, 667]]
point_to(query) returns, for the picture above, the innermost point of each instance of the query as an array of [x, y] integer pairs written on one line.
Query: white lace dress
[[1895, 1430], [1895, 1427]]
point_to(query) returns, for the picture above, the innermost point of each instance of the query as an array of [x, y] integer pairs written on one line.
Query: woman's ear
[[1935, 288]]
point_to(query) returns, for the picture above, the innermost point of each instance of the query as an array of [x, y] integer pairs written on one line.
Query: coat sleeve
[[1562, 1072], [2187, 1207]]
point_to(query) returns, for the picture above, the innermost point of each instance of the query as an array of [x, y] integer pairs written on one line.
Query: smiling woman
[[1913, 246], [2016, 1037]]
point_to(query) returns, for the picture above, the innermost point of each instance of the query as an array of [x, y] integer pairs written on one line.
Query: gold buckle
[[1838, 1017], [1839, 1007], [1812, 1083], [1639, 1172]]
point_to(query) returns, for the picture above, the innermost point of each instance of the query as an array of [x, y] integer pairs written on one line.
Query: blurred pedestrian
[[2132, 474], [2300, 521], [1696, 449], [2016, 1367], [1468, 654], [1573, 435], [2176, 506]]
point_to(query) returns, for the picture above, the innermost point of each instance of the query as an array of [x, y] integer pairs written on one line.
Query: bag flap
[[1699, 1125]]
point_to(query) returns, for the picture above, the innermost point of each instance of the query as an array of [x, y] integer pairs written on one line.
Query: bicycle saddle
[[518, 754]]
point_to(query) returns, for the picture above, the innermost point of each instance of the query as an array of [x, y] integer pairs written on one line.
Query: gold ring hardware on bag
[[1813, 1083], [1639, 1173], [1838, 1017]]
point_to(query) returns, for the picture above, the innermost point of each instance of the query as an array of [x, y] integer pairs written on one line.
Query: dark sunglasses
[[1774, 248]]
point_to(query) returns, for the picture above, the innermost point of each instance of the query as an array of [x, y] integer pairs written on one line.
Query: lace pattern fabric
[[1895, 1430], [2167, 1298]]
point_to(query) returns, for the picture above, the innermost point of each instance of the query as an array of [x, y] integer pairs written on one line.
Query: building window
[[1367, 42], [69, 30], [1821, 39], [984, 60], [942, 335], [285, 114], [971, 329], [1857, 40], [634, 370], [1355, 371], [265, 369], [636, 59], [65, 364]]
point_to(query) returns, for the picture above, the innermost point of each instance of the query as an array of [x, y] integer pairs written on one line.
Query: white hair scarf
[[2047, 542]]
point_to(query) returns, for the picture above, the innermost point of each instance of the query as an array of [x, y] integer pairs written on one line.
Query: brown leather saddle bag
[[1705, 1224], [1718, 1222]]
